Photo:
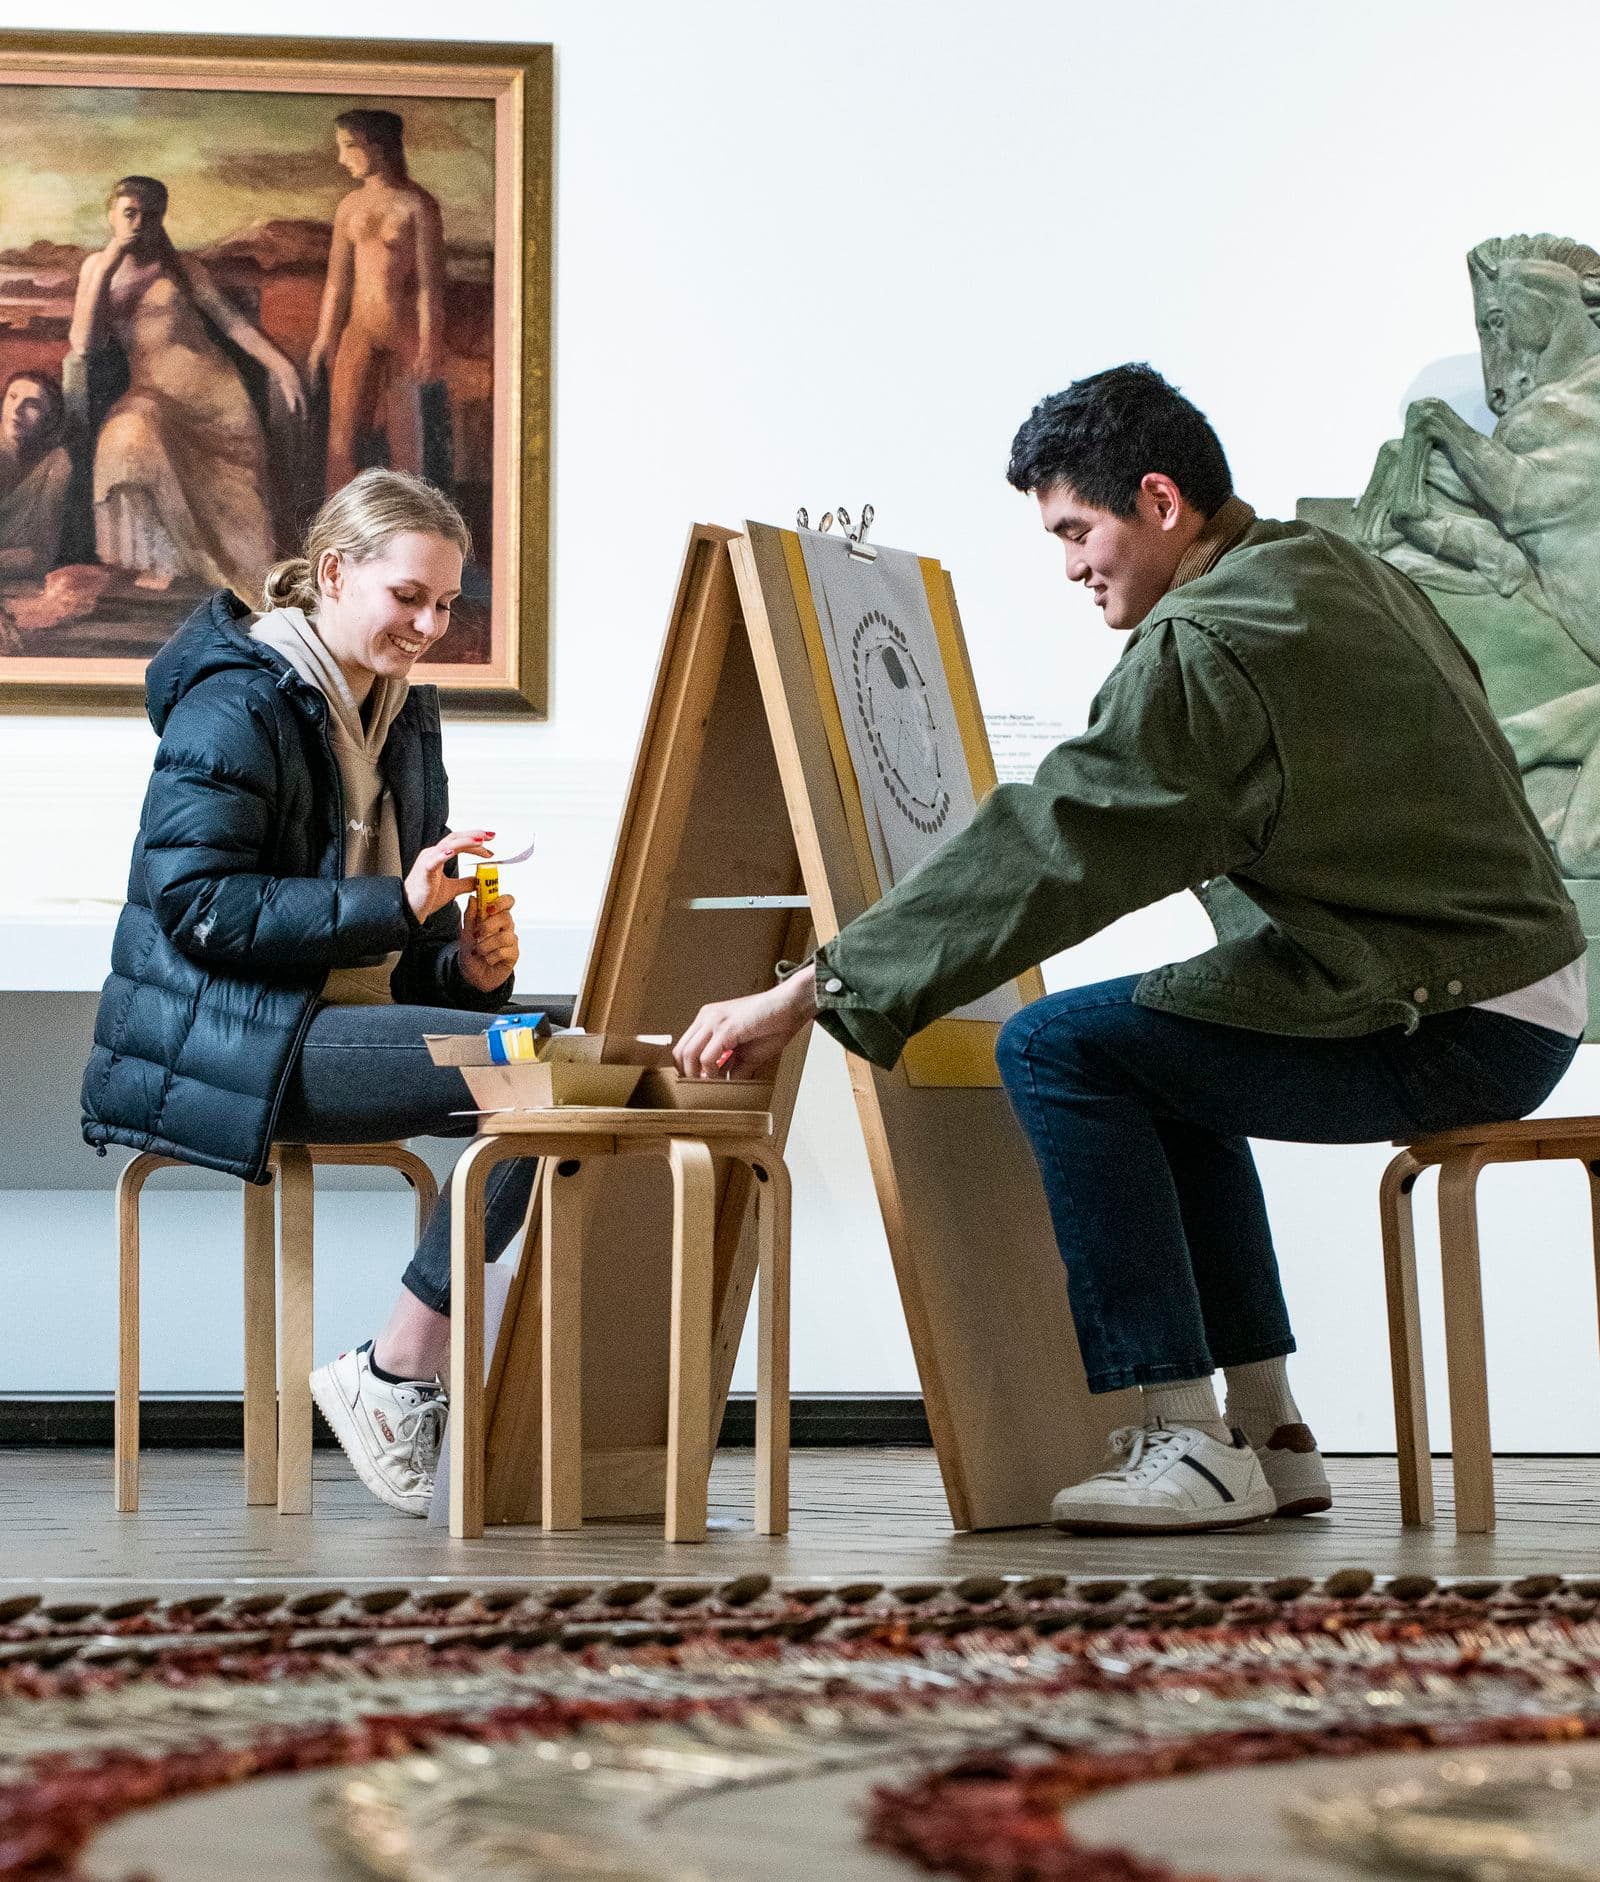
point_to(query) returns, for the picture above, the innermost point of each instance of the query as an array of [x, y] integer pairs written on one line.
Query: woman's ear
[[330, 574]]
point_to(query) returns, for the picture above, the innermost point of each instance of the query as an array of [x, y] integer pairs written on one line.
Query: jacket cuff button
[[833, 986]]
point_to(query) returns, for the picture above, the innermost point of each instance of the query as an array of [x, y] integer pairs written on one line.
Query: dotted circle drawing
[[892, 704]]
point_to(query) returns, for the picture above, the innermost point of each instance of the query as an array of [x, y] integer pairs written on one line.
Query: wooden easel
[[735, 845]]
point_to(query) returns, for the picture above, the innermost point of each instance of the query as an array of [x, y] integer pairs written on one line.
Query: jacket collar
[[1222, 532]]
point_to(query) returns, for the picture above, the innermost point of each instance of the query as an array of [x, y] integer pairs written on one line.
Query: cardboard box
[[605, 1048], [571, 1068], [538, 1085], [562, 1048], [662, 1089]]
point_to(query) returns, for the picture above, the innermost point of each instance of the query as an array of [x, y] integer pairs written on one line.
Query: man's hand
[[489, 948], [428, 888], [739, 1036]]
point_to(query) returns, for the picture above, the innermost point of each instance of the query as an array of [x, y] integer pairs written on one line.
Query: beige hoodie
[[371, 838]]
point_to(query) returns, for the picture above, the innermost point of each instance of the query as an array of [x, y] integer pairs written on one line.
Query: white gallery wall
[[817, 257]]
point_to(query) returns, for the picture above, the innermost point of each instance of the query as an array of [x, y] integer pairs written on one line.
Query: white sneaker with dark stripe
[[1292, 1465], [1168, 1482], [391, 1433]]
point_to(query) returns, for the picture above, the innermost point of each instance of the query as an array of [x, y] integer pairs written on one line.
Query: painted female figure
[[380, 334], [180, 464]]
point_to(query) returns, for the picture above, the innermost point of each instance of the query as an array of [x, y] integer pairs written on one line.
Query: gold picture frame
[[177, 458]]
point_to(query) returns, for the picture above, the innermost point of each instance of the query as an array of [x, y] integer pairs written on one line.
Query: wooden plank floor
[[876, 1514]]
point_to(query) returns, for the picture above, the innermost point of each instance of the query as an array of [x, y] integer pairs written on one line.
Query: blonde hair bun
[[290, 584], [359, 522]]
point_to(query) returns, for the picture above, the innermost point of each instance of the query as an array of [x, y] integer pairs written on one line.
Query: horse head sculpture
[[1537, 300]]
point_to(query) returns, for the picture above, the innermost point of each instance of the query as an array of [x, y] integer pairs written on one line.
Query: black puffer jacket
[[237, 901]]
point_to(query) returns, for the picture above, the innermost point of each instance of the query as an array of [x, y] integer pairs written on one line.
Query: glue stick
[[488, 890]]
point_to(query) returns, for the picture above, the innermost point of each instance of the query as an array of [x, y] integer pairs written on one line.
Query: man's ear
[[1165, 498]]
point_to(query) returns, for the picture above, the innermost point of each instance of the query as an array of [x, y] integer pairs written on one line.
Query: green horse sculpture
[[1514, 518]]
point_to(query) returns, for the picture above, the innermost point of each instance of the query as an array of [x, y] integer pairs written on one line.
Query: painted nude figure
[[1517, 513], [180, 463], [380, 334]]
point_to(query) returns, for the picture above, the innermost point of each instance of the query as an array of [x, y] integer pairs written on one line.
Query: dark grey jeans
[[364, 1077]]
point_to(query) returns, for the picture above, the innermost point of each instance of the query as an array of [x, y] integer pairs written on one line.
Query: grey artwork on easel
[[899, 720]]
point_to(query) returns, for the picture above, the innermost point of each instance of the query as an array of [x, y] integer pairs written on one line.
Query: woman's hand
[[488, 944], [428, 888], [291, 388], [731, 1036]]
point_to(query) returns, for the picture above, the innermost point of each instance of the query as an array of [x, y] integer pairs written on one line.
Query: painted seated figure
[[35, 475], [181, 488]]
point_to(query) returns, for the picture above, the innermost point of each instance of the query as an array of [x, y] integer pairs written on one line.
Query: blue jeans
[[1138, 1120], [364, 1076]]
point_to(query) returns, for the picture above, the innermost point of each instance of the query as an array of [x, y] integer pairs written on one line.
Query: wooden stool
[[1461, 1155], [570, 1140], [277, 1425]]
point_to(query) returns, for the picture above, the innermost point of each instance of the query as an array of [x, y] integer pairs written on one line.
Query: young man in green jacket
[[1293, 733]]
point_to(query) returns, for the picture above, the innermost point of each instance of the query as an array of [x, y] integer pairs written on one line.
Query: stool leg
[[125, 1433], [296, 1263], [423, 1187], [1472, 1455], [689, 1378], [772, 1347], [561, 1341], [466, 1331], [260, 1346], [1395, 1217]]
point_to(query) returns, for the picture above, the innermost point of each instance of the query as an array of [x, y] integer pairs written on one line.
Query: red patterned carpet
[[961, 1725]]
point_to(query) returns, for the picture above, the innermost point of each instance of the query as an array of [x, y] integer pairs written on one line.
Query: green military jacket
[[1292, 732]]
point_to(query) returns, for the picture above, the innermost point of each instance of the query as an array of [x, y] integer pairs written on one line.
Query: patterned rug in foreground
[[999, 1729]]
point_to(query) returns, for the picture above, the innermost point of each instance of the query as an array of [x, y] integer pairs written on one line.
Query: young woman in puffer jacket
[[293, 923]]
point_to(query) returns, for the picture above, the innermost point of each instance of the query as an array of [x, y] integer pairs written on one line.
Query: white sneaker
[[390, 1433], [1168, 1482], [1292, 1465]]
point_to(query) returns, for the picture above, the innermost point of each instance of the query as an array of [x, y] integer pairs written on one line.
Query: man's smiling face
[[1126, 562]]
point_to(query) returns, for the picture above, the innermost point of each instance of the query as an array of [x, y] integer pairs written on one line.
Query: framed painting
[[234, 272]]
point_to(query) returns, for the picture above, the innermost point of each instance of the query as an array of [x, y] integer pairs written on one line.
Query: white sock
[[1259, 1399], [1191, 1403]]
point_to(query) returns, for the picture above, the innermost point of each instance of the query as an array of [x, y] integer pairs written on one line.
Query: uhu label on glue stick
[[488, 885]]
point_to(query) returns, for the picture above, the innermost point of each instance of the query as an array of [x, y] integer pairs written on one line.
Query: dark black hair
[[381, 131], [47, 383], [149, 192], [1107, 432]]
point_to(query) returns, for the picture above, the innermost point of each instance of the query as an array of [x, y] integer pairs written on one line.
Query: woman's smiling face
[[383, 614]]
